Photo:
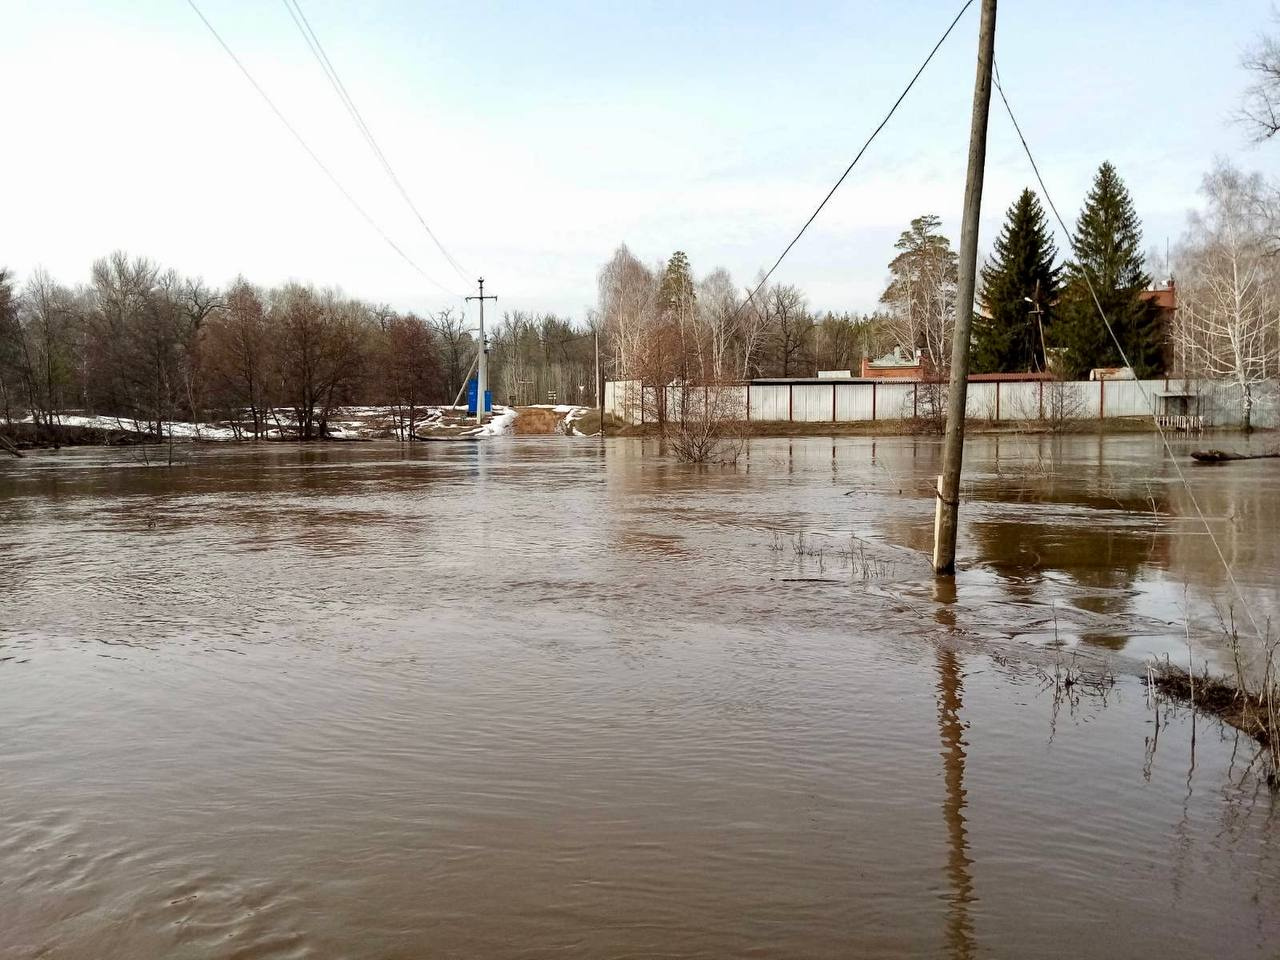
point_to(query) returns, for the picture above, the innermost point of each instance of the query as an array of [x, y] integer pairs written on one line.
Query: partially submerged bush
[[1253, 709], [709, 425]]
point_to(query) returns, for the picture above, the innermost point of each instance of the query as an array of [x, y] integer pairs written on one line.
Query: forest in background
[[152, 345]]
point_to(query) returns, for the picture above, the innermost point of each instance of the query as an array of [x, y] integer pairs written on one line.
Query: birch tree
[[754, 326], [1260, 111], [628, 297], [716, 313], [1228, 311]]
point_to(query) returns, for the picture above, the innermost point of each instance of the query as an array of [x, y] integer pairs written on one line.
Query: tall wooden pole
[[599, 385], [946, 514]]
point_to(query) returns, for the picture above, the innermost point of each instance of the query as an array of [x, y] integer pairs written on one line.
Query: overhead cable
[[313, 155], [331, 73]]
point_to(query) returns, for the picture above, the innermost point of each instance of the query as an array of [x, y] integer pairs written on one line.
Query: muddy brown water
[[541, 697]]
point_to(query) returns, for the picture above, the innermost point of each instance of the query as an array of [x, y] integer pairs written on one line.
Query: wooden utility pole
[[599, 385], [946, 514], [482, 366]]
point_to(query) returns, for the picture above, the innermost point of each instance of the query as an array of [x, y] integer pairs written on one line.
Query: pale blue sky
[[535, 137]]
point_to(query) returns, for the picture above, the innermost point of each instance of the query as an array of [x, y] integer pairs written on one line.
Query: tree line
[[151, 345], [1035, 311], [661, 324]]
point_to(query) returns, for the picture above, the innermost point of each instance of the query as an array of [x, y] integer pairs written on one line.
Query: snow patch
[[176, 429], [504, 419]]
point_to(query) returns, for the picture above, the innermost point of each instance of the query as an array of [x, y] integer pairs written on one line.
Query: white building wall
[[854, 402], [892, 400], [769, 402], [811, 403]]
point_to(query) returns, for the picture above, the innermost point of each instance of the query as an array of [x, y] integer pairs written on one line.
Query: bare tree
[[1260, 111], [238, 346], [708, 423], [411, 366], [716, 315], [46, 314], [628, 293], [457, 348], [1228, 310], [317, 354], [790, 330], [753, 326], [842, 340], [10, 345], [117, 371]]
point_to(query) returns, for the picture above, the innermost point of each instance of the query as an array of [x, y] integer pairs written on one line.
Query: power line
[[312, 154], [853, 163], [331, 72], [1097, 302]]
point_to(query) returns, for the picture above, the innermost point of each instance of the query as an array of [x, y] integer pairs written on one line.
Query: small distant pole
[[599, 385], [946, 514], [1038, 312], [482, 367]]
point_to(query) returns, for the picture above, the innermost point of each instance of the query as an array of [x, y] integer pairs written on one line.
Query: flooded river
[[544, 697]]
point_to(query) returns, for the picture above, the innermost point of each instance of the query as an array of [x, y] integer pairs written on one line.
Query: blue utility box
[[472, 388]]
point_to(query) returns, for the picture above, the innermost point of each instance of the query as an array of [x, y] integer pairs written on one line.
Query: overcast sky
[[536, 137]]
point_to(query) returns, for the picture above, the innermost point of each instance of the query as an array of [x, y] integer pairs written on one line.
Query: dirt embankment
[[537, 422]]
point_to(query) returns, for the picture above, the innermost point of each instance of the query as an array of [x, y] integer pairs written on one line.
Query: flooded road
[[540, 697]]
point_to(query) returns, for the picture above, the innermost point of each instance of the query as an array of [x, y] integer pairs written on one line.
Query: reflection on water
[[539, 697], [959, 924]]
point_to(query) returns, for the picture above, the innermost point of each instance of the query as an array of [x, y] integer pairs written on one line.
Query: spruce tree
[[1108, 251], [1009, 339]]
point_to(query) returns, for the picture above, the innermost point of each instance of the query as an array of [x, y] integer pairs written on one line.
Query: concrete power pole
[[947, 509], [482, 367]]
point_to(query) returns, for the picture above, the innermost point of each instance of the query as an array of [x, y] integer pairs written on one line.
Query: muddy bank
[[28, 436]]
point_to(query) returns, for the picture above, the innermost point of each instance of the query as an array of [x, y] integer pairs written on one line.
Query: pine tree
[[921, 295], [676, 293], [1010, 339], [1109, 252], [676, 299]]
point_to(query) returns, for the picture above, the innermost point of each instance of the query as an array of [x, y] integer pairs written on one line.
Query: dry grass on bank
[[1255, 712]]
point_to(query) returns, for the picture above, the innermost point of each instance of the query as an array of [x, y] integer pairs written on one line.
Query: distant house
[[898, 364], [1166, 298], [1112, 373]]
